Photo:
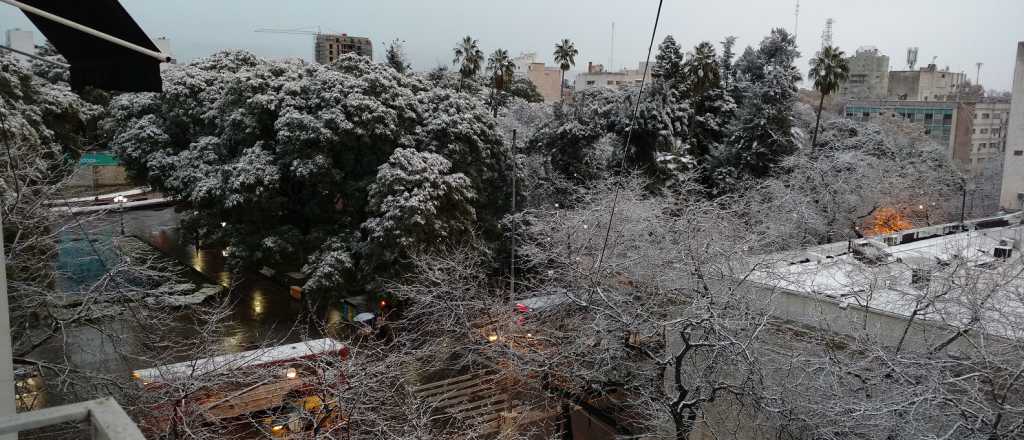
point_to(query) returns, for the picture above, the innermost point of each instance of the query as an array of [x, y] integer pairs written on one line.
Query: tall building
[[596, 76], [988, 127], [869, 75], [547, 80], [1013, 162], [21, 40], [926, 84], [329, 47], [941, 120]]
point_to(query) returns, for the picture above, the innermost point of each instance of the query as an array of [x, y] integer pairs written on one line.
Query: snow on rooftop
[[233, 361], [951, 262]]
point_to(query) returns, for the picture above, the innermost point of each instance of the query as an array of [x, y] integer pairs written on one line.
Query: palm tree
[[468, 57], [501, 67], [829, 69], [565, 56]]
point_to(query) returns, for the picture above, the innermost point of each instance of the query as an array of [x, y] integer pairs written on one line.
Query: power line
[[629, 134]]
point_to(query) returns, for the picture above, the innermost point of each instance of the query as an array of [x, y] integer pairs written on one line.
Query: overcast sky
[[959, 32]]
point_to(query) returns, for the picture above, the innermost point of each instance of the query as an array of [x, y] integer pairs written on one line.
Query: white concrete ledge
[[108, 419]]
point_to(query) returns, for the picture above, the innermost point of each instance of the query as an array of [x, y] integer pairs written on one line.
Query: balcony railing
[[106, 420]]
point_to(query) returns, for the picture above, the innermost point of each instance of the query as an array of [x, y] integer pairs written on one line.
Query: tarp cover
[[95, 62]]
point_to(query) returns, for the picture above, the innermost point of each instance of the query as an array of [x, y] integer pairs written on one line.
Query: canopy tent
[[98, 61]]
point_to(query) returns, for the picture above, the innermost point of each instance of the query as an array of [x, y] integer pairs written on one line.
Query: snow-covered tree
[[762, 131], [861, 168], [415, 203], [276, 158], [396, 58], [524, 89], [668, 63]]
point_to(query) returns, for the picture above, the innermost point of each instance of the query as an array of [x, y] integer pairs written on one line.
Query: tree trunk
[[561, 90], [567, 427], [684, 423], [817, 123]]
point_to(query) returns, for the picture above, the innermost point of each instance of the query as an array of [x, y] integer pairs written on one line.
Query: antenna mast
[[826, 35], [977, 79], [611, 60], [796, 23]]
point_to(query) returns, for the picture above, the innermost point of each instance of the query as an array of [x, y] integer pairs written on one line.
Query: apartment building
[[596, 76], [869, 75], [329, 47], [1012, 196]]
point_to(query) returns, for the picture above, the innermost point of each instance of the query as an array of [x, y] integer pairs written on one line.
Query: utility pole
[[8, 395], [512, 269]]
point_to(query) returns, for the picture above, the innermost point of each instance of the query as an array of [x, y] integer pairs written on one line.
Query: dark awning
[[94, 61]]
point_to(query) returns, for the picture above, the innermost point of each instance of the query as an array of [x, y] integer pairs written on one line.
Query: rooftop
[[947, 278]]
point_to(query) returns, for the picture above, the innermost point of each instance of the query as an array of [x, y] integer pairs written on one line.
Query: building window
[[927, 117], [946, 119], [1018, 153], [985, 116], [590, 83], [974, 131], [984, 131], [996, 132]]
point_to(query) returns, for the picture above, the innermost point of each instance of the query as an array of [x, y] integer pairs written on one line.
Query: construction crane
[[296, 31]]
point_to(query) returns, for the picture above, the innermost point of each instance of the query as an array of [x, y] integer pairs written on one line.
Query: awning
[[94, 61]]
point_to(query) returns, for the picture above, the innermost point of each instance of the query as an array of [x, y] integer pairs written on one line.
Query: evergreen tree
[[284, 154], [761, 134], [713, 108], [701, 70], [727, 59], [668, 63], [524, 89], [395, 56]]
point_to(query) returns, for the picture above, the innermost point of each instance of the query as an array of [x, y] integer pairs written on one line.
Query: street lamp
[[120, 200]]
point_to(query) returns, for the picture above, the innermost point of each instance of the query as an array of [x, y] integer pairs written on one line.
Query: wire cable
[[629, 134]]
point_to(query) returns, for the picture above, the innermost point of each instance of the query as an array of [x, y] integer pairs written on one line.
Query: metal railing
[[106, 418]]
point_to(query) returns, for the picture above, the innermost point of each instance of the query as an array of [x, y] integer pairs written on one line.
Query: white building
[[1013, 164], [21, 40], [523, 62], [988, 134], [596, 76], [164, 44]]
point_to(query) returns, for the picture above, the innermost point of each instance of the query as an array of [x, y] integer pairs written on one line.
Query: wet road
[[262, 312]]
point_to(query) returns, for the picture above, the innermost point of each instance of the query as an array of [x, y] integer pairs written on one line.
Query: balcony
[[101, 419]]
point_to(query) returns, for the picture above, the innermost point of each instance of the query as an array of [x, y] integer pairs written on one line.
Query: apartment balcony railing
[[106, 420]]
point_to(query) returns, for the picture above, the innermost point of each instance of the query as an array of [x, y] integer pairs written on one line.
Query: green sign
[[98, 160]]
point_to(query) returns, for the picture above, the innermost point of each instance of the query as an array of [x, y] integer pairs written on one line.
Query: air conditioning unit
[[1003, 252]]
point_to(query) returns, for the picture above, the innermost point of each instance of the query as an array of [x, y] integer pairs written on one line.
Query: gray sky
[[960, 33]]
